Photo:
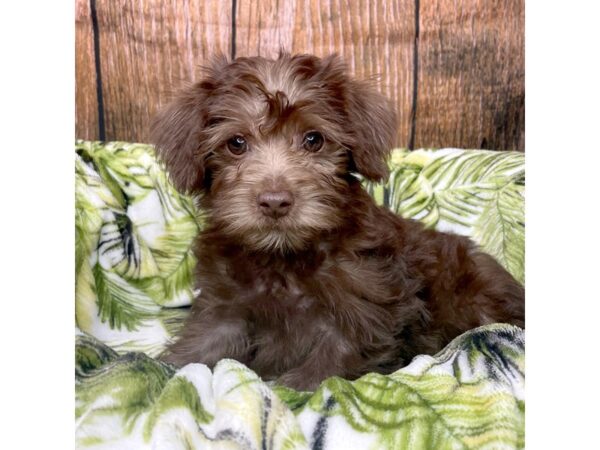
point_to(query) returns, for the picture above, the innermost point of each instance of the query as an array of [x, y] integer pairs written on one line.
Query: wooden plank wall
[[454, 69], [86, 99]]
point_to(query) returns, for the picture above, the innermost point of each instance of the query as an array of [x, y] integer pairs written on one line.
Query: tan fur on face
[[275, 165], [272, 104]]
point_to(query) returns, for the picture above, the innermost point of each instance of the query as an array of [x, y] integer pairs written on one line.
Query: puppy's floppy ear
[[175, 131], [372, 124]]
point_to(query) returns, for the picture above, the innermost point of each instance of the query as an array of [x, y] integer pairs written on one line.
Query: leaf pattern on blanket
[[134, 234], [470, 395], [475, 385]]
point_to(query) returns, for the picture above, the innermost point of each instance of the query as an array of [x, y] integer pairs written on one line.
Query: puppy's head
[[270, 144]]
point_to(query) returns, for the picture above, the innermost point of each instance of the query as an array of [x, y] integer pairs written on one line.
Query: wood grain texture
[[471, 74], [86, 101], [375, 38], [469, 68], [148, 48]]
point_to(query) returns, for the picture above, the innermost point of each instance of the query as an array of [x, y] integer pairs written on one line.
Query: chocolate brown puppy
[[302, 275]]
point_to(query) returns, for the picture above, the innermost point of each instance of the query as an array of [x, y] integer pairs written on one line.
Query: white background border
[[37, 79]]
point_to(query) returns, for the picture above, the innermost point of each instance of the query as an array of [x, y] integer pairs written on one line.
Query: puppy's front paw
[[299, 380], [169, 358]]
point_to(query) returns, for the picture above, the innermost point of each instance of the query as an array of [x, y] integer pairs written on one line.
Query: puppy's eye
[[237, 145], [313, 141]]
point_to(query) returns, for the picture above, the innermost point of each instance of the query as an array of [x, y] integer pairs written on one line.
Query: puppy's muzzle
[[275, 204]]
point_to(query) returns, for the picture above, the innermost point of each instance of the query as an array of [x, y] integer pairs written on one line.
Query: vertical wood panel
[[86, 101], [470, 67], [147, 49], [375, 38], [471, 74]]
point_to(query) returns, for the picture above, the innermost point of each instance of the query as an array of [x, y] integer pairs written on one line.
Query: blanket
[[134, 285]]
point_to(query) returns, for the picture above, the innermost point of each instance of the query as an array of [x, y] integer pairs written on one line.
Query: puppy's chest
[[317, 285], [275, 289], [288, 287]]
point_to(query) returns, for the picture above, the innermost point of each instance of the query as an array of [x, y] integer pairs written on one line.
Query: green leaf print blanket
[[134, 285]]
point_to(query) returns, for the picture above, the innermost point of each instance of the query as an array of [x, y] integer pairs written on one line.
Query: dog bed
[[134, 285]]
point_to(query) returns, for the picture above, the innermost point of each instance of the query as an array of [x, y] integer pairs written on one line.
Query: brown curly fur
[[339, 286]]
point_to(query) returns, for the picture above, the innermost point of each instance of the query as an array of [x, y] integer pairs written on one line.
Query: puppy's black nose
[[275, 204]]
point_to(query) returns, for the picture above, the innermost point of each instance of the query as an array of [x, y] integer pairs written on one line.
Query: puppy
[[302, 275]]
